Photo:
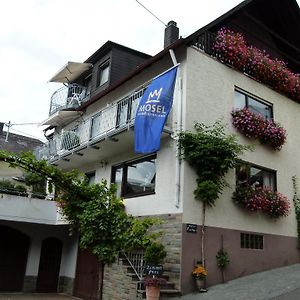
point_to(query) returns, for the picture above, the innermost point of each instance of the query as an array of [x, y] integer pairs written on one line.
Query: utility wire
[[152, 13], [27, 134]]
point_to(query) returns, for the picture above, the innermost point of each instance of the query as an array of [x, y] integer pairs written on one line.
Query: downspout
[[177, 132]]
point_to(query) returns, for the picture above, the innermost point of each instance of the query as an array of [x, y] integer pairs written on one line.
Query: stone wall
[[117, 285]]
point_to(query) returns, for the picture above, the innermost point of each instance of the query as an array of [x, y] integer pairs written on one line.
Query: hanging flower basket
[[256, 126], [231, 47], [262, 199]]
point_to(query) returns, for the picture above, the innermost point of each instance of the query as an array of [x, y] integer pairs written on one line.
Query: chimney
[[171, 33]]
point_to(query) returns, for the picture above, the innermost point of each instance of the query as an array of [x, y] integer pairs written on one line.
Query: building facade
[[91, 128]]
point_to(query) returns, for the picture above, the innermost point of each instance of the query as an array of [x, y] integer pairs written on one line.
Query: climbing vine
[[211, 152], [94, 211], [296, 201]]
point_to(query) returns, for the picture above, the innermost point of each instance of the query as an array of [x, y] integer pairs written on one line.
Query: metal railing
[[205, 42], [114, 118], [67, 97], [136, 262]]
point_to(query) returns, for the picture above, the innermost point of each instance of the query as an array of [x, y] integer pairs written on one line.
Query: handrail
[[67, 97], [116, 117], [136, 261]]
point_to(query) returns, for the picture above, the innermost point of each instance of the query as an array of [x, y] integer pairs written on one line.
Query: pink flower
[[256, 126]]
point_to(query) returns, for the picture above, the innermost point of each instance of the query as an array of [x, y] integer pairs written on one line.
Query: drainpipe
[[178, 130]]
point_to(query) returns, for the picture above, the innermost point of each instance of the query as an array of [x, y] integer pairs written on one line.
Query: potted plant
[[199, 274], [154, 256], [222, 261]]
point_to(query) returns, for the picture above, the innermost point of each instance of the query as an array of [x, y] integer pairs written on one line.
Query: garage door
[[13, 258], [88, 280]]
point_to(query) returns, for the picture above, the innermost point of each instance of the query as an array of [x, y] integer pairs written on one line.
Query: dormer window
[[103, 73]]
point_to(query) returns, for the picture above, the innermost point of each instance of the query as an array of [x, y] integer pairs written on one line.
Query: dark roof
[[280, 19], [109, 45], [133, 73], [18, 143]]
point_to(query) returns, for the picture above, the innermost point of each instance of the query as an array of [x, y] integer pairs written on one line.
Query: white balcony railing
[[67, 97], [108, 121]]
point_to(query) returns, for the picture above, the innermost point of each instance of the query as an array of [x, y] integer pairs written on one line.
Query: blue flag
[[153, 111]]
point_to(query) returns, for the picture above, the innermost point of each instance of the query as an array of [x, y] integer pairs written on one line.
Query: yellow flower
[[199, 272]]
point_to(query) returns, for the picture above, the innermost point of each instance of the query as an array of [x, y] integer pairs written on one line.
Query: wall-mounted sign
[[191, 228], [153, 270]]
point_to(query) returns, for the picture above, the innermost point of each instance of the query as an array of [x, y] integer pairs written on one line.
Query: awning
[[61, 117], [70, 72]]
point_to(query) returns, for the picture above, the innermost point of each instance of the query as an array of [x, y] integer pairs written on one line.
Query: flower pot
[[152, 292], [200, 284]]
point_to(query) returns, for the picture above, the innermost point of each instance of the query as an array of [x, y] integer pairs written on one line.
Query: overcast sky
[[38, 37]]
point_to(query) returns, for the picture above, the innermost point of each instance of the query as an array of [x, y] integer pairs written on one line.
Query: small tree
[[211, 153]]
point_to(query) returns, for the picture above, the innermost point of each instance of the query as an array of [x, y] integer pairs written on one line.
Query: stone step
[[164, 294]]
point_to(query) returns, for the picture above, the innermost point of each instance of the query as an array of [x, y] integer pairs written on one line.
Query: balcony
[[232, 49], [24, 209], [64, 103], [67, 98], [103, 127]]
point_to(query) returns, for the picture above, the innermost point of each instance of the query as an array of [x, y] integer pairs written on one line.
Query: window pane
[[91, 177], [259, 108], [104, 72], [255, 176], [140, 177], [239, 100], [118, 180], [259, 177]]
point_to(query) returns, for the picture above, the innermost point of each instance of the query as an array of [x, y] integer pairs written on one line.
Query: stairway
[[167, 290]]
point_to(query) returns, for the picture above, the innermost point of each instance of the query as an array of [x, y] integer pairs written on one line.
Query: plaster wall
[[37, 233], [210, 96], [163, 201], [25, 209]]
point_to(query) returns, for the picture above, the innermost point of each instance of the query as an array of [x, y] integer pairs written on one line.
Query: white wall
[[210, 96], [24, 209], [37, 233]]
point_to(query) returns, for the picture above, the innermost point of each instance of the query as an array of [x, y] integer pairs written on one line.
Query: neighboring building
[[36, 253], [91, 129]]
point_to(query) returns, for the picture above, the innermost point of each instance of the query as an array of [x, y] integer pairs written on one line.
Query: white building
[[91, 129]]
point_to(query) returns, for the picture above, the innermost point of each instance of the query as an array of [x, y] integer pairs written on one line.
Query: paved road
[[277, 284], [35, 296]]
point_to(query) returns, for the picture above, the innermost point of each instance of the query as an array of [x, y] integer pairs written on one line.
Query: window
[[253, 104], [252, 241], [135, 178], [255, 176], [103, 73], [91, 177]]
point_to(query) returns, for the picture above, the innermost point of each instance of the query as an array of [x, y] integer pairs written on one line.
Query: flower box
[[256, 126], [231, 47], [262, 199]]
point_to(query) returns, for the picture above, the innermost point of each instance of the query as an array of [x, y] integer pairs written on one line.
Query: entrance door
[[88, 276], [13, 258], [47, 281]]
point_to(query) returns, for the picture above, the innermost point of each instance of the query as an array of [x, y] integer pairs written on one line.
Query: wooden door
[[14, 247], [88, 280], [48, 275]]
